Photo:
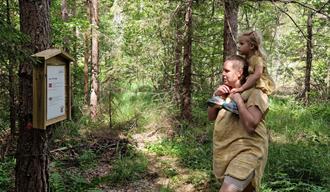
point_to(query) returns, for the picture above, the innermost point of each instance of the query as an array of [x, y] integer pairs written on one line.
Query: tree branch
[[309, 7], [290, 19], [319, 11]]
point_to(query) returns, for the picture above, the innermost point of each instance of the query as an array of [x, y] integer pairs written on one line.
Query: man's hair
[[240, 63]]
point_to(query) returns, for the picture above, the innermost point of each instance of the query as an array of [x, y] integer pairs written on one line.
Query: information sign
[[55, 91]]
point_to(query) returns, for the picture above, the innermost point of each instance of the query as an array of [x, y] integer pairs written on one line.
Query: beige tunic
[[265, 83], [236, 152]]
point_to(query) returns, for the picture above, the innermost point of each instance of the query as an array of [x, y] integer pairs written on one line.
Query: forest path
[[162, 167], [164, 173]]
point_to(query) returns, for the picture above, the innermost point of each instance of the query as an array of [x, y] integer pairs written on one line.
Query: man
[[240, 142]]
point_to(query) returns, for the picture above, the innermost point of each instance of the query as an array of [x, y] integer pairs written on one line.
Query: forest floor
[[163, 172]]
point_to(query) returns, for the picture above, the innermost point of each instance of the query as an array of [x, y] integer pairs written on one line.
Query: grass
[[299, 123], [125, 170], [7, 167]]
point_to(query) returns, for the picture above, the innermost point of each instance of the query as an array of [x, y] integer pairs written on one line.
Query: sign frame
[[49, 57]]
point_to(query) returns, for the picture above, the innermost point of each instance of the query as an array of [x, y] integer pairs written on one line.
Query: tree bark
[[230, 28], [328, 81], [187, 64], [86, 64], [65, 17], [309, 57], [94, 97], [178, 63], [32, 146], [12, 84]]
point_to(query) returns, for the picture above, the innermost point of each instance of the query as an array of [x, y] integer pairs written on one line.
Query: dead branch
[[294, 22]]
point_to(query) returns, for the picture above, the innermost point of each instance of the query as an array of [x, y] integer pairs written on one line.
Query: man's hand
[[237, 98], [222, 91]]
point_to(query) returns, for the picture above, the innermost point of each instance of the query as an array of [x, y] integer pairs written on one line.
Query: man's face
[[230, 73]]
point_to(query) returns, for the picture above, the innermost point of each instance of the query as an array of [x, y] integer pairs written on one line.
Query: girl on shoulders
[[250, 46]]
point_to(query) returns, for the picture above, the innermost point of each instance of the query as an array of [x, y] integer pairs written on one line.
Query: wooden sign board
[[51, 88]]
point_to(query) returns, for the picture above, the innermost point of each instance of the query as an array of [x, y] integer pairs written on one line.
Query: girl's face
[[244, 47]]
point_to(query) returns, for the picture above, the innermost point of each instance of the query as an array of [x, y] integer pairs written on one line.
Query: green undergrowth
[[81, 175], [79, 171], [125, 169], [297, 122], [7, 171], [192, 154]]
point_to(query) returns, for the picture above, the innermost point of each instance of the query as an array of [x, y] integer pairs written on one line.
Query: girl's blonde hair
[[255, 39]]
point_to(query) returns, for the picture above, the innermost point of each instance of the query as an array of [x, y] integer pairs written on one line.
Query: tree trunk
[[65, 17], [309, 58], [12, 84], [32, 146], [86, 63], [95, 59], [230, 28], [187, 64], [178, 64], [328, 81]]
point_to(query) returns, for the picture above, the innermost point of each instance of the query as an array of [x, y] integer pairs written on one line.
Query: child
[[250, 47]]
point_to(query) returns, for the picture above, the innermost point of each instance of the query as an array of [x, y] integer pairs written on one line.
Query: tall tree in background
[[65, 17], [178, 56], [32, 146], [86, 64], [230, 27], [187, 64], [86, 55], [94, 19], [309, 57], [11, 83]]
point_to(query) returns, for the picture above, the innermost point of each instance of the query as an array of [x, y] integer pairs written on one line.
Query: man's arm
[[250, 117]]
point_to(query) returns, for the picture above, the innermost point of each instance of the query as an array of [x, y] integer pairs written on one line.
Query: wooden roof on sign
[[49, 53]]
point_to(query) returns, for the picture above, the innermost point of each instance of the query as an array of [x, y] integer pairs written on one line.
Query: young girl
[[250, 46]]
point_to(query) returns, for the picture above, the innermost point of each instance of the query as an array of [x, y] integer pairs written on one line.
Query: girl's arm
[[212, 113], [251, 80]]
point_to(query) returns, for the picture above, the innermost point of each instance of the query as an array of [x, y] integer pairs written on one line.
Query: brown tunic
[[236, 152], [265, 83]]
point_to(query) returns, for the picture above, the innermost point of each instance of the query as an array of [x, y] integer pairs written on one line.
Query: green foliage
[[7, 168], [298, 167], [191, 153], [165, 189], [87, 160], [299, 123], [170, 172], [125, 169], [56, 182], [299, 155]]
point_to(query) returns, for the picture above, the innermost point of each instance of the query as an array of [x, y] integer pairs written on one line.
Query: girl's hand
[[236, 90], [222, 91]]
